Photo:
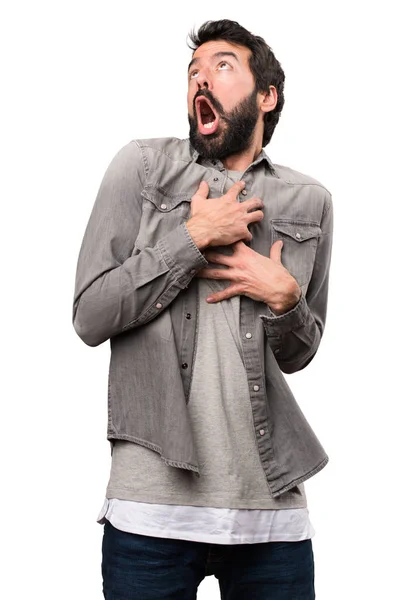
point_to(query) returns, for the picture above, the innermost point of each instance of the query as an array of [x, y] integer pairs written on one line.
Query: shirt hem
[[225, 540], [215, 502]]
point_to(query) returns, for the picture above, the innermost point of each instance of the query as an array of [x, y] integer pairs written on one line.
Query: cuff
[[181, 254], [294, 319]]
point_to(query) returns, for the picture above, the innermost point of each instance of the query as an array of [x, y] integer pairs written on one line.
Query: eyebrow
[[216, 55]]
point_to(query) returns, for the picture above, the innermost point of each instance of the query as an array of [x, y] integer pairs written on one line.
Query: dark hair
[[263, 64]]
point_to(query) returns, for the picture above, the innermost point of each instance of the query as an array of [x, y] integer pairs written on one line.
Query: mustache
[[216, 104]]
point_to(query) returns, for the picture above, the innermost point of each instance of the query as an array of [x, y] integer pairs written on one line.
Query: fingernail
[[210, 299]]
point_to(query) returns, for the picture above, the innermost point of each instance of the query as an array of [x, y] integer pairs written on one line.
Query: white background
[[81, 79]]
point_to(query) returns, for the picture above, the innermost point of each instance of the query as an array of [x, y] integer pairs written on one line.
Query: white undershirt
[[208, 525]]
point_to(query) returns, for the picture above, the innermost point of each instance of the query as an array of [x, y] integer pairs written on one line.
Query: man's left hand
[[254, 275]]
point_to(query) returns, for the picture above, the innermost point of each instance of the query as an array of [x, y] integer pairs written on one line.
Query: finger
[[252, 203], [238, 246], [214, 274], [255, 216], [219, 259], [203, 189], [276, 251], [232, 290], [235, 190]]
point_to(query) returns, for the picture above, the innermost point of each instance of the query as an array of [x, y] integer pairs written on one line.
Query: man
[[207, 268]]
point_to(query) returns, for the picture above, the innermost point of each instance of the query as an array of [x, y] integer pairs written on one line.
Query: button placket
[[254, 374]]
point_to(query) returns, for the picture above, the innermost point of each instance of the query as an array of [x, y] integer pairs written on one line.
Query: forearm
[[135, 292], [118, 286], [294, 337]]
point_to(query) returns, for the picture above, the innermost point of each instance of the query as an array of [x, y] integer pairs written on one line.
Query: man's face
[[222, 100]]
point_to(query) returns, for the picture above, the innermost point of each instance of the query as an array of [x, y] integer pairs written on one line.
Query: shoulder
[[296, 178], [141, 156], [172, 147]]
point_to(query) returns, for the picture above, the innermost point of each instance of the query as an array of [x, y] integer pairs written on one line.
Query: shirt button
[[193, 271], [248, 335], [256, 388], [158, 305], [216, 179], [163, 206], [276, 351], [262, 431], [188, 316], [214, 162], [184, 366], [298, 236], [244, 193]]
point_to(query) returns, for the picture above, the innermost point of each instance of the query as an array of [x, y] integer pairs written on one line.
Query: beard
[[235, 131]]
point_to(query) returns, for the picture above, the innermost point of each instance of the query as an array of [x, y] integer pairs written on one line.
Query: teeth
[[209, 125]]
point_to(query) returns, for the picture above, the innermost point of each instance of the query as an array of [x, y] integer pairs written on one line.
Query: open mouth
[[207, 117]]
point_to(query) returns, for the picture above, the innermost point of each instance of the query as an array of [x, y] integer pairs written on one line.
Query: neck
[[242, 160]]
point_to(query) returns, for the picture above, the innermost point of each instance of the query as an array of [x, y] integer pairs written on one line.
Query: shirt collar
[[260, 158]]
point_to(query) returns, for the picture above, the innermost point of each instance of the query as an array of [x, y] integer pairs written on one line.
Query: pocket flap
[[299, 231], [163, 200]]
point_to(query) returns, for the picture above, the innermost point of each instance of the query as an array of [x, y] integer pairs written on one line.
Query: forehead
[[207, 50]]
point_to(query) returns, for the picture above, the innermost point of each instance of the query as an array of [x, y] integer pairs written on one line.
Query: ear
[[268, 101]]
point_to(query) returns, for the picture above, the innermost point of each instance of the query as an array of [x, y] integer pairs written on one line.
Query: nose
[[203, 80]]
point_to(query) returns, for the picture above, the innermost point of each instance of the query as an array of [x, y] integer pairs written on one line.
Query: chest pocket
[[300, 241], [161, 213]]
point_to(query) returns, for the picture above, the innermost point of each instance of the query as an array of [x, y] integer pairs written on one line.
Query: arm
[[294, 336], [115, 291]]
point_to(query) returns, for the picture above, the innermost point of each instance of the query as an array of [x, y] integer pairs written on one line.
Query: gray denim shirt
[[135, 286]]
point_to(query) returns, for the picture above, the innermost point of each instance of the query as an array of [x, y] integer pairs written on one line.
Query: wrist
[[287, 303], [198, 234]]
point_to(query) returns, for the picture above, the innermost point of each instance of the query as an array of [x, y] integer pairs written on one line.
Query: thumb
[[203, 189], [275, 252]]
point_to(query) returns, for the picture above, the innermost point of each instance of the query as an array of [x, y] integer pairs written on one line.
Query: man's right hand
[[222, 221]]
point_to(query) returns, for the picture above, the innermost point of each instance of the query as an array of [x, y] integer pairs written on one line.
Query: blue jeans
[[140, 567]]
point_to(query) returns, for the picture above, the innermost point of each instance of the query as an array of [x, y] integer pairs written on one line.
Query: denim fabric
[[141, 567], [135, 286]]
